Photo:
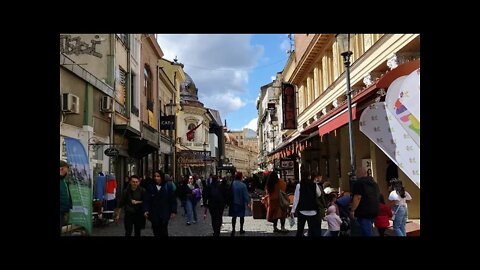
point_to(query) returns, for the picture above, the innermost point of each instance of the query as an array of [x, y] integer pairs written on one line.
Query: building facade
[[194, 156], [316, 68], [242, 155]]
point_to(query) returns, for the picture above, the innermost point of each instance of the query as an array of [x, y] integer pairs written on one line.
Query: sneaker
[[275, 230], [188, 223], [242, 232], [194, 222]]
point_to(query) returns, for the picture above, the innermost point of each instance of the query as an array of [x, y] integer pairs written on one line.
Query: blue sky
[[229, 69]]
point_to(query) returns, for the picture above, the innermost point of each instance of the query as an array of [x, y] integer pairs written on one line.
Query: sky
[[229, 69]]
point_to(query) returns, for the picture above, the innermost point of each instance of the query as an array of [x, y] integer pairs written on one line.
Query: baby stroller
[[344, 209], [345, 227]]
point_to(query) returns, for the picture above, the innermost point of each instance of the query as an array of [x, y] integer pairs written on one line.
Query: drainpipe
[[112, 119], [159, 153]]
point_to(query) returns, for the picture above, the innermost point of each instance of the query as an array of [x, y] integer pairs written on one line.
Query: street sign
[[167, 122], [111, 152]]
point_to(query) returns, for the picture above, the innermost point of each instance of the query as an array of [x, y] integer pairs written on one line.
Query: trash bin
[[258, 209]]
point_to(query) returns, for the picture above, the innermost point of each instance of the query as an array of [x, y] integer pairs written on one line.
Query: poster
[[80, 181]]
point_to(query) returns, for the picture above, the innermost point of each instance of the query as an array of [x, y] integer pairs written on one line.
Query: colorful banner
[[396, 96], [383, 128], [411, 97], [80, 181]]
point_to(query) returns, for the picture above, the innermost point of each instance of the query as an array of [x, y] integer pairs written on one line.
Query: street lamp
[[344, 47], [205, 158], [173, 126]]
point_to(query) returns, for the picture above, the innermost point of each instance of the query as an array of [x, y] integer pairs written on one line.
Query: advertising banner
[[383, 128], [80, 181], [400, 94]]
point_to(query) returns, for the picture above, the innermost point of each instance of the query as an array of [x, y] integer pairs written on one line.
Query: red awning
[[337, 121]]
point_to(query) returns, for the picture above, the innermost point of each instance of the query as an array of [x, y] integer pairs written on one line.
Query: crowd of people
[[314, 200]]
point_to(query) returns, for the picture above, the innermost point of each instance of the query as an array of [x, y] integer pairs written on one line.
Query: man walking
[[365, 203], [132, 199]]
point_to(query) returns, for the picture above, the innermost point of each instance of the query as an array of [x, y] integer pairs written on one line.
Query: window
[[124, 39], [147, 85], [122, 90], [134, 47], [134, 94]]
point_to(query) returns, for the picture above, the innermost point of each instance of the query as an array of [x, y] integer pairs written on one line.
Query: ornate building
[[193, 123]]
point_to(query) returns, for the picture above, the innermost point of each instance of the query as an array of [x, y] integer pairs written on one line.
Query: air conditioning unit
[[106, 104], [70, 103]]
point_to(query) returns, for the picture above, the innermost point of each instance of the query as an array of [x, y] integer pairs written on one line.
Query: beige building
[[241, 151], [245, 139], [104, 62], [317, 70]]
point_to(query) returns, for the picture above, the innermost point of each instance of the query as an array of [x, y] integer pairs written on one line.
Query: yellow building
[[317, 69]]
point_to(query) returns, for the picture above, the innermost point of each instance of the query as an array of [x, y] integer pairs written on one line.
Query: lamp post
[[205, 158], [344, 47], [172, 112]]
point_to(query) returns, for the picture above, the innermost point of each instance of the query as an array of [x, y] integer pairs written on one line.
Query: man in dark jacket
[[132, 200], [65, 198], [160, 204], [365, 202], [214, 199]]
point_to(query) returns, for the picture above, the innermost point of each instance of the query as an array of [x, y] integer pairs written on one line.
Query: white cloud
[[225, 103], [218, 64], [285, 45], [252, 124]]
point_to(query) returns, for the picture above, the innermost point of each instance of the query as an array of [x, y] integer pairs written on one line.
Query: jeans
[[365, 225], [189, 208], [400, 220]]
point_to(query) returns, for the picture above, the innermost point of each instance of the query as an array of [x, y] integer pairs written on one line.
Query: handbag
[[291, 220], [393, 216], [284, 201]]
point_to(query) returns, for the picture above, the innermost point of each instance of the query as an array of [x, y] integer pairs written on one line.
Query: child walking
[[333, 221], [382, 219]]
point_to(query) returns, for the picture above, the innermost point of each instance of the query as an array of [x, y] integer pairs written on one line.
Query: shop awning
[[337, 121], [127, 130], [313, 134]]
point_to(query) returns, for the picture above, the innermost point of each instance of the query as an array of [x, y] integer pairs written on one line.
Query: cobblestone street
[[178, 227]]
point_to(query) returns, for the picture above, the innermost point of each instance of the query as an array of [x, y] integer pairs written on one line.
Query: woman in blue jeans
[[399, 198]]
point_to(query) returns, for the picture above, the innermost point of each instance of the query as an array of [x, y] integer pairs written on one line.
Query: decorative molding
[[356, 89], [339, 101], [371, 77], [399, 58]]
